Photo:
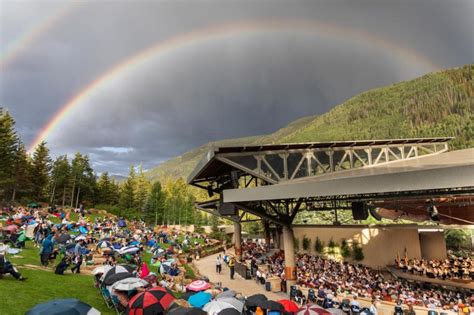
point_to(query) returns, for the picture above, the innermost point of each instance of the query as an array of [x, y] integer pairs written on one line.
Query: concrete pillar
[[290, 266], [238, 240]]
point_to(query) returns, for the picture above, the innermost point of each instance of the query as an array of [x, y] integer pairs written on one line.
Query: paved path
[[207, 267]]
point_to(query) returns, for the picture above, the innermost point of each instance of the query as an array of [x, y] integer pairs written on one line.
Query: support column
[[290, 266], [267, 232], [238, 240]]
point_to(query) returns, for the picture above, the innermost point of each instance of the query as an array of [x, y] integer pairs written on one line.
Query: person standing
[[219, 264], [232, 267], [78, 250], [46, 249]]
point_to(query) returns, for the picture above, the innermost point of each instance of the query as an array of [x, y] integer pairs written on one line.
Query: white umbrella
[[80, 238], [101, 269], [236, 303], [129, 284], [128, 250], [214, 307]]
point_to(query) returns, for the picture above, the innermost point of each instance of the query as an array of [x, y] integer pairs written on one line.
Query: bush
[[199, 229], [296, 243], [332, 245], [306, 243], [357, 252], [345, 249], [318, 246], [456, 239], [221, 236]]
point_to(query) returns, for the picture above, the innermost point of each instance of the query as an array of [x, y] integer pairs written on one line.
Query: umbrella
[[187, 295], [104, 244], [226, 293], [179, 310], [336, 311], [199, 299], [112, 278], [101, 269], [128, 284], [289, 306], [63, 307], [128, 250], [11, 228], [236, 303], [198, 285], [229, 311], [255, 300], [153, 301], [32, 205], [117, 269], [312, 310], [271, 305], [215, 307], [80, 238], [63, 238]]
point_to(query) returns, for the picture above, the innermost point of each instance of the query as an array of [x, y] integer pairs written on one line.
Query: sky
[[143, 81]]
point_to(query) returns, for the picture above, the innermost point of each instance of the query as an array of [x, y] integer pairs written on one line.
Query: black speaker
[[359, 211], [374, 213], [227, 209]]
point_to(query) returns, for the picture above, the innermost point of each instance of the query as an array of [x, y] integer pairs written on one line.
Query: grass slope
[[437, 104], [17, 297]]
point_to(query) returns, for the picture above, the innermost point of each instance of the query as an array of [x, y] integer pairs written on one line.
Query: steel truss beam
[[282, 165]]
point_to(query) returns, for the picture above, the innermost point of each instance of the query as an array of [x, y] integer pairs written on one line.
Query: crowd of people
[[452, 268], [330, 282]]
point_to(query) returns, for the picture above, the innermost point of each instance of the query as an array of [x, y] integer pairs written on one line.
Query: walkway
[[207, 267]]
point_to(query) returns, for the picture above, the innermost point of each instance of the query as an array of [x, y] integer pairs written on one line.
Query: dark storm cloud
[[238, 86]]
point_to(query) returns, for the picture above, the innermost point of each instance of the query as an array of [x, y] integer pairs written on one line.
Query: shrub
[[345, 249], [357, 252], [306, 243], [318, 246], [296, 243], [332, 245]]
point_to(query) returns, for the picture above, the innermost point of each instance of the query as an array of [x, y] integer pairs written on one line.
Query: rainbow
[[25, 40], [218, 32]]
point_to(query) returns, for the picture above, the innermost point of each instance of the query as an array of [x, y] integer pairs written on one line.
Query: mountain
[[437, 104]]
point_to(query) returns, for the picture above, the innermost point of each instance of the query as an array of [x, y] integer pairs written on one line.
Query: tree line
[[69, 182]]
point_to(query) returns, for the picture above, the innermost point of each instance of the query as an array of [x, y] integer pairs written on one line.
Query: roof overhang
[[446, 171]]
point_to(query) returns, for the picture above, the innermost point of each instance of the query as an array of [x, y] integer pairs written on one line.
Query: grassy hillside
[[437, 104]]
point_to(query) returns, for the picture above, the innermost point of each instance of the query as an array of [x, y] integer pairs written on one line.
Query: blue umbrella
[[200, 299], [63, 307]]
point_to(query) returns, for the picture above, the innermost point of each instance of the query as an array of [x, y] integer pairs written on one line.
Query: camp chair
[[118, 307], [292, 292], [311, 296], [106, 295]]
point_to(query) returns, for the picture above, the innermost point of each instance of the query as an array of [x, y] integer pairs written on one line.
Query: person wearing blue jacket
[[46, 249]]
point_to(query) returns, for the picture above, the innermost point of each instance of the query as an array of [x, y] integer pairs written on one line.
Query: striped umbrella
[[198, 285], [312, 310], [153, 301]]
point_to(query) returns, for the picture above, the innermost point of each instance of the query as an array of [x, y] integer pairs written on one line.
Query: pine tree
[[142, 189], [155, 205], [22, 173], [127, 191], [40, 172], [60, 179], [8, 148], [107, 190]]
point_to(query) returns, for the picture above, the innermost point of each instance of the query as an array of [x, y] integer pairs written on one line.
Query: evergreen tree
[[127, 191], [107, 190], [142, 189], [61, 177], [155, 205], [8, 148], [83, 180], [40, 172], [22, 173]]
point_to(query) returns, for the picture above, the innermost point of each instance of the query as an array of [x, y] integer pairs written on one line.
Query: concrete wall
[[433, 245], [380, 244]]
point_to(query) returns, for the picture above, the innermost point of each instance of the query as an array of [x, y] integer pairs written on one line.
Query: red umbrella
[[198, 285], [289, 306], [312, 310], [153, 301]]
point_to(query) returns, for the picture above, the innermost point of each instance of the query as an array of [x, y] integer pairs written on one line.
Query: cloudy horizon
[[214, 71]]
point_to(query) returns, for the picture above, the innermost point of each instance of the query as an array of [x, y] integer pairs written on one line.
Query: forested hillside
[[437, 104]]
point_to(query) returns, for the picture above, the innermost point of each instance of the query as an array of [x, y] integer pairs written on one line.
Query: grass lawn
[[17, 297]]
